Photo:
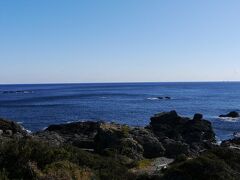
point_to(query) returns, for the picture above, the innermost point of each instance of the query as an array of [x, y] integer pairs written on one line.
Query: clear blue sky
[[43, 41]]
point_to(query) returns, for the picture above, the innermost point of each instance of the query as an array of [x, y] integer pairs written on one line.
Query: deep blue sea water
[[37, 106]]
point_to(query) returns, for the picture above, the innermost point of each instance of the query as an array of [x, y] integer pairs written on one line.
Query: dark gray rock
[[117, 139], [232, 114], [152, 146], [198, 117], [79, 134], [51, 137], [10, 127], [175, 148], [194, 134]]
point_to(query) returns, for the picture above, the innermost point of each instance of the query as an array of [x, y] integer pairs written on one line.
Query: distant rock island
[[170, 147], [232, 114]]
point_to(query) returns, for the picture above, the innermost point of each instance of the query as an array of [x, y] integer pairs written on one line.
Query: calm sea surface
[[37, 106]]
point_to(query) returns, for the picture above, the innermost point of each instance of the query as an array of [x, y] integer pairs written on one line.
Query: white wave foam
[[28, 131], [236, 134], [68, 122], [153, 98], [229, 119], [44, 128]]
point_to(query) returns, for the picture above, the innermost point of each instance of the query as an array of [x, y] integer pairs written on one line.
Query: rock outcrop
[[232, 143], [232, 114], [168, 135], [183, 135], [170, 147], [79, 134], [11, 128]]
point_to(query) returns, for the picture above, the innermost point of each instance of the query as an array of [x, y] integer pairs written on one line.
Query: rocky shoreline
[[161, 150]]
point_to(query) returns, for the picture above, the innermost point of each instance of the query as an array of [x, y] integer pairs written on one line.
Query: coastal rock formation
[[134, 143], [150, 143], [80, 134], [189, 136], [10, 128], [170, 147], [232, 114], [168, 135], [113, 137], [232, 143]]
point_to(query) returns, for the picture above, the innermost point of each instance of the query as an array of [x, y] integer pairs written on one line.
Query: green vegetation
[[31, 159], [125, 130], [219, 163]]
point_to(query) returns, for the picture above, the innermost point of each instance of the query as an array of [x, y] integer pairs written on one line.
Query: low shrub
[[32, 159]]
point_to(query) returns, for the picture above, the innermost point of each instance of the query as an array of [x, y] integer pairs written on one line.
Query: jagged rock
[[167, 135], [130, 148], [51, 137], [175, 148], [150, 143], [9, 132], [80, 134], [6, 126], [197, 134], [232, 114]]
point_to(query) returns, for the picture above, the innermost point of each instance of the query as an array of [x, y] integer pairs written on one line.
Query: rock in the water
[[166, 97], [232, 114]]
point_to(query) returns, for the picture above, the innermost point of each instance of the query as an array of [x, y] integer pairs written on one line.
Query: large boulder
[[116, 138], [184, 135], [79, 134], [150, 143], [175, 148], [50, 137]]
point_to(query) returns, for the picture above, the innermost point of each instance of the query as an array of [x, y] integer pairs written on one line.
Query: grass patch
[[143, 163]]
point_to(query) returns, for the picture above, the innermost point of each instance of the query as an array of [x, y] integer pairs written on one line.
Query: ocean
[[39, 105]]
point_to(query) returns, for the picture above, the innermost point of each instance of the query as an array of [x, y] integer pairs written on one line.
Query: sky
[[84, 41]]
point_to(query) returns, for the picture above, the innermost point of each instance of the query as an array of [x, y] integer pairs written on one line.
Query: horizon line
[[121, 82]]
